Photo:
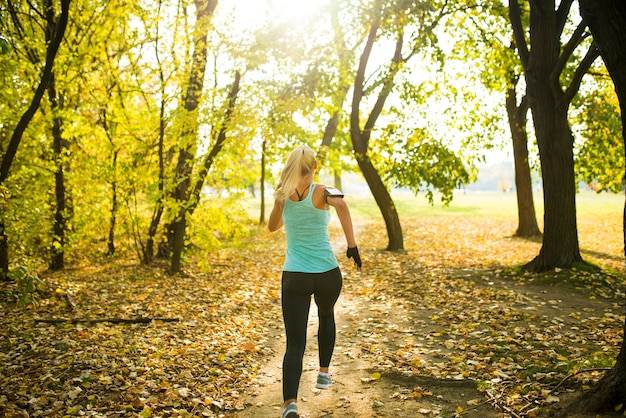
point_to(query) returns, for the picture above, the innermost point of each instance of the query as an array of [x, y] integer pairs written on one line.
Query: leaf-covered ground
[[447, 327]]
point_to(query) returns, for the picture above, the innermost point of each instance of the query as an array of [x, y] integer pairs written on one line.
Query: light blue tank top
[[308, 243]]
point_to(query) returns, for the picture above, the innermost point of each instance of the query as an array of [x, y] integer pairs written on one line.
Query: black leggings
[[297, 289]]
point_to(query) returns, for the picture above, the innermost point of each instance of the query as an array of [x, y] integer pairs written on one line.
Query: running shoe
[[323, 381], [291, 411]]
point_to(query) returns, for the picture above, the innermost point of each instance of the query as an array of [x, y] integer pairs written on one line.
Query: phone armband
[[331, 192]]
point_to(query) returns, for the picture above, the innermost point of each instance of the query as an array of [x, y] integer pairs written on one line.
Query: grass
[[486, 204]]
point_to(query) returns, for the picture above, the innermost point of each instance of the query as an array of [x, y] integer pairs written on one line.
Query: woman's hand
[[353, 252]]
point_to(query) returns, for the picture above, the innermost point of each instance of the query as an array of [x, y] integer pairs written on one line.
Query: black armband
[[331, 192]]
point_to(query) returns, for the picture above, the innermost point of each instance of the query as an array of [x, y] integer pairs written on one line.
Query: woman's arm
[[276, 217], [343, 212]]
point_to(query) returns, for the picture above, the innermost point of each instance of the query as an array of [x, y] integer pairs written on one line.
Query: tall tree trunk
[[384, 201], [113, 216], [327, 139], [560, 239], [194, 193], [527, 219], [554, 139], [188, 140], [217, 147], [57, 249], [59, 24], [543, 65], [606, 20], [360, 136], [148, 253]]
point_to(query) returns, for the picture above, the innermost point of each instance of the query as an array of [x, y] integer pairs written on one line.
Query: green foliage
[[122, 71], [600, 149], [28, 286], [424, 164], [217, 220]]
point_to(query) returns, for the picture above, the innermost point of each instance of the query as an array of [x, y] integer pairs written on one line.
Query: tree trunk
[[148, 253], [338, 182], [193, 197], [543, 64], [113, 218], [57, 250], [527, 219], [216, 148], [360, 136], [195, 85], [555, 142], [4, 253], [384, 202], [20, 128], [606, 20], [327, 139], [554, 138]]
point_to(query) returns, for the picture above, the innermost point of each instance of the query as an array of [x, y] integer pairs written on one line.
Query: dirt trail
[[357, 390], [419, 331]]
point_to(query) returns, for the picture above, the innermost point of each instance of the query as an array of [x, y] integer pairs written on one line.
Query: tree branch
[[20, 128], [585, 64], [515, 16], [140, 320], [357, 95]]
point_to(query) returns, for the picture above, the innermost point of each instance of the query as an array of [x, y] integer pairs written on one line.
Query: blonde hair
[[300, 163]]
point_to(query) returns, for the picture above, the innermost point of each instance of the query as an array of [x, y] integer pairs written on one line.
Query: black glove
[[354, 253]]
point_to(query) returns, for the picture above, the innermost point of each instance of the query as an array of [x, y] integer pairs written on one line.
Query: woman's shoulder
[[318, 196]]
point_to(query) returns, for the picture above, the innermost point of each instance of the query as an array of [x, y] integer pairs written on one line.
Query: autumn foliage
[[451, 307]]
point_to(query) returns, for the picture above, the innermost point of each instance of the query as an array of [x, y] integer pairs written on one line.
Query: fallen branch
[[597, 369], [141, 320]]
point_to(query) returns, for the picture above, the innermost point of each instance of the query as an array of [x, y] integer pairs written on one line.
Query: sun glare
[[251, 13]]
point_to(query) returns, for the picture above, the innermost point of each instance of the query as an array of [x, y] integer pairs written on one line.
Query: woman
[[310, 266]]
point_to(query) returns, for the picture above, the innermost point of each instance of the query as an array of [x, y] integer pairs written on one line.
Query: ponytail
[[299, 164]]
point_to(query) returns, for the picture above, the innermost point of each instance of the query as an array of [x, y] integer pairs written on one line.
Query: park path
[[359, 388], [419, 330]]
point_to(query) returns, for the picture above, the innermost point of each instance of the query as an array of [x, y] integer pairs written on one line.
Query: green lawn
[[487, 204]]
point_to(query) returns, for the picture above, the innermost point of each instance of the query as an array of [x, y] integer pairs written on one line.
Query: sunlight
[[250, 13]]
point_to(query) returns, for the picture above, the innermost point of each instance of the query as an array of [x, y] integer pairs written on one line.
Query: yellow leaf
[[459, 409], [619, 407], [376, 375], [73, 409]]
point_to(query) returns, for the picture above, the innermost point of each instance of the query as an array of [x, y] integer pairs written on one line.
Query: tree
[[360, 136], [545, 60], [189, 137], [424, 161], [607, 20], [527, 219], [484, 38], [56, 30]]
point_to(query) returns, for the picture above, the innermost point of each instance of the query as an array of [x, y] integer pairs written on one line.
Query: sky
[[251, 12]]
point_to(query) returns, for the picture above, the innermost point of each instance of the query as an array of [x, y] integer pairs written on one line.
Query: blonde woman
[[310, 266]]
